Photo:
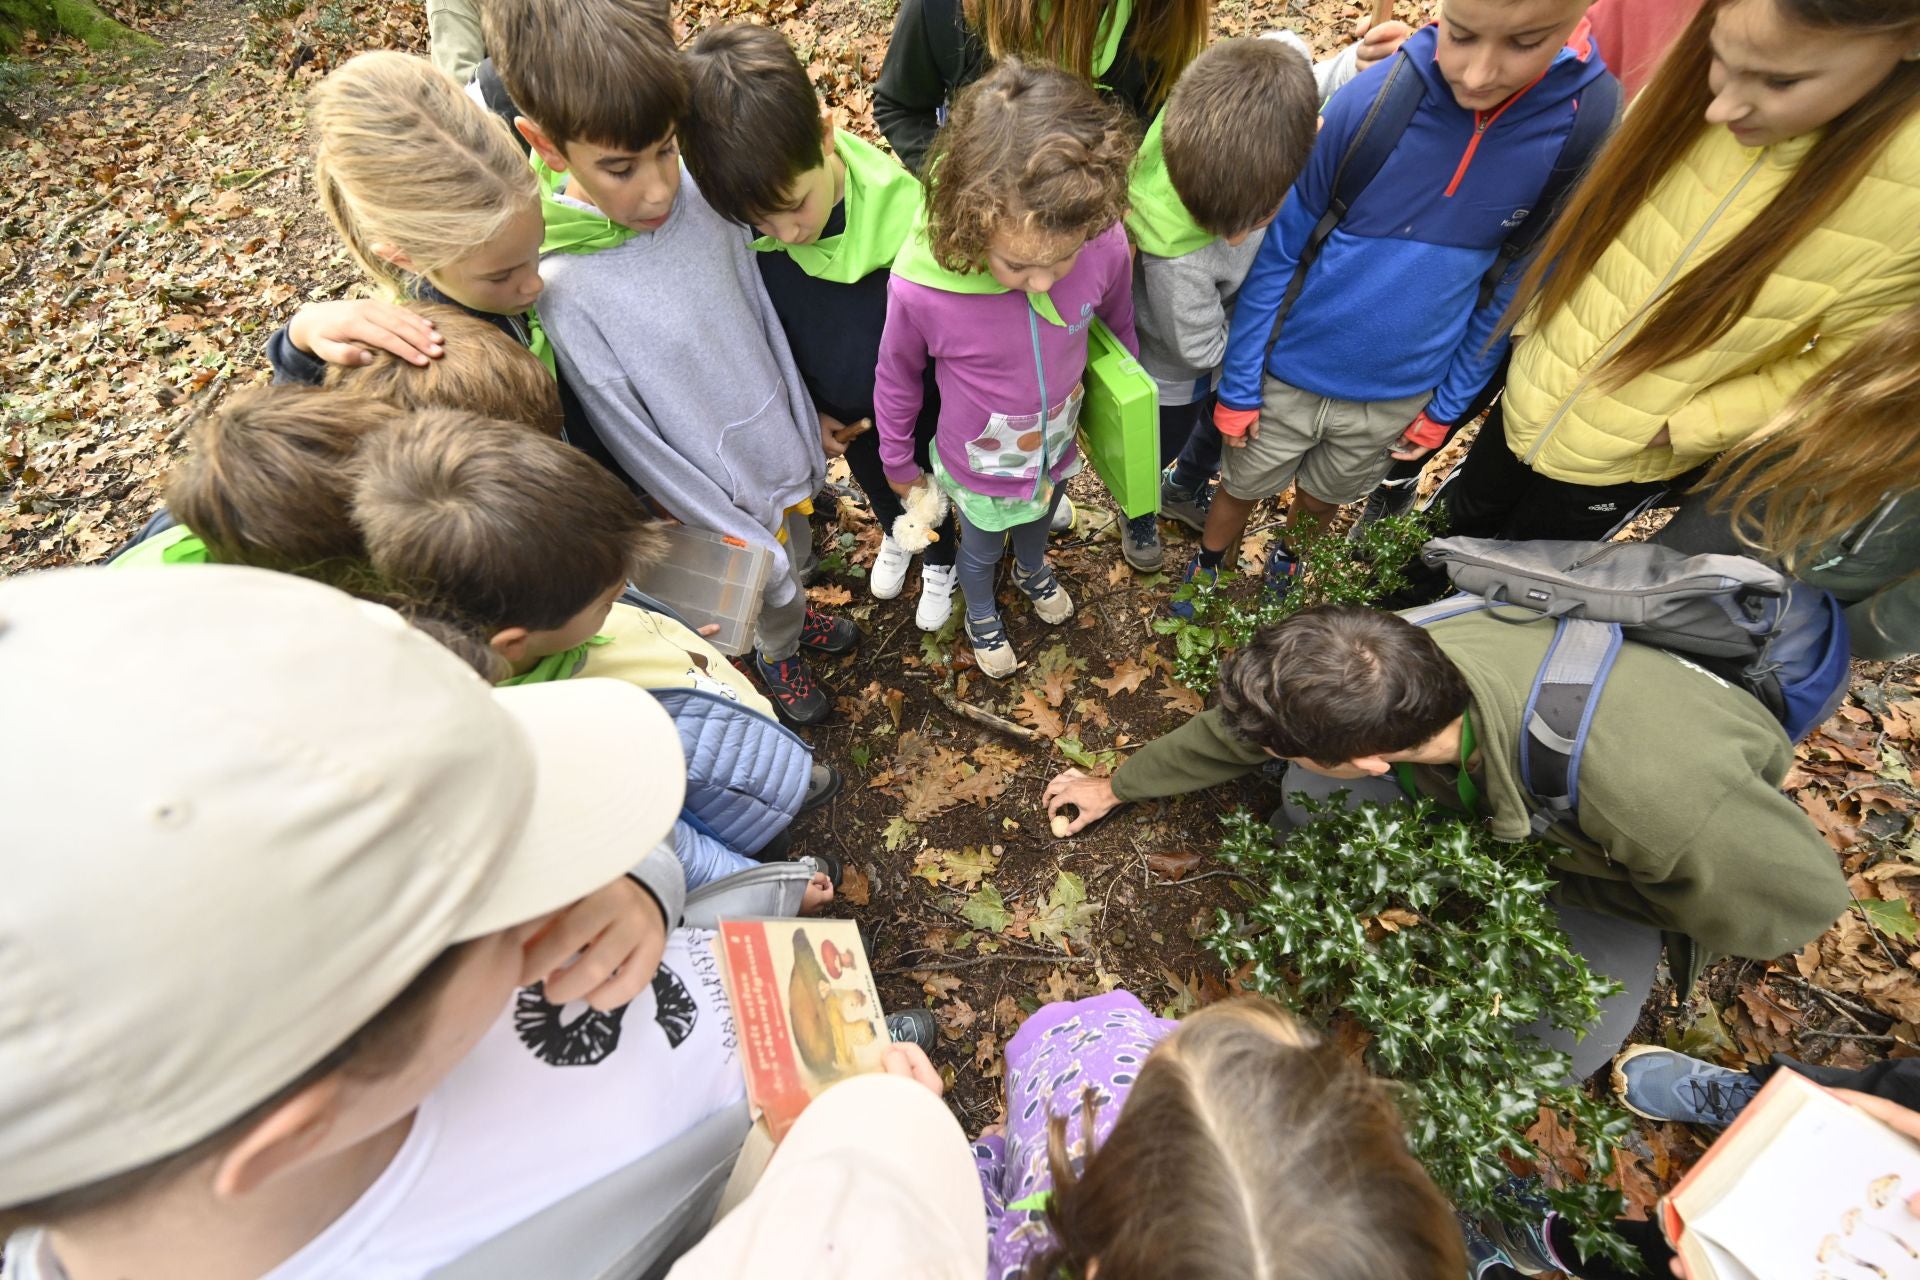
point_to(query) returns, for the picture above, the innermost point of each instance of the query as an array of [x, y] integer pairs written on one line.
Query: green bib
[[917, 263], [571, 230], [178, 545], [1158, 221], [564, 665], [882, 202]]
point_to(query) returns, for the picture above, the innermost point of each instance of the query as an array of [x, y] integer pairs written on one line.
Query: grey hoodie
[[677, 355]]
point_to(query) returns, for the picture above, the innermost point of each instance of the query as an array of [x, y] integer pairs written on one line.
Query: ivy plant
[[1333, 570], [1438, 942]]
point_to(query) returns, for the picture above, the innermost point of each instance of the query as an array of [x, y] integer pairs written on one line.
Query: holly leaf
[[1127, 676], [897, 832], [1065, 916], [986, 909], [1032, 709], [1895, 918]]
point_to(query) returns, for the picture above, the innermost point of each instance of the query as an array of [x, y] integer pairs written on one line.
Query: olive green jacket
[[1682, 822]]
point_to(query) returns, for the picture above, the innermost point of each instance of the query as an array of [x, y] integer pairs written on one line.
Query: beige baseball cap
[[239, 813], [875, 1181]]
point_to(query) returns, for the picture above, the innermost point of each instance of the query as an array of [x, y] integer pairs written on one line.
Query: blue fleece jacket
[[1388, 309]]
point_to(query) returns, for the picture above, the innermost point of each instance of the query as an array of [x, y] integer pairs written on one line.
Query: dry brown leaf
[[829, 596], [856, 890], [1172, 864], [936, 984], [1127, 676], [1032, 709], [1564, 1161], [1180, 698]]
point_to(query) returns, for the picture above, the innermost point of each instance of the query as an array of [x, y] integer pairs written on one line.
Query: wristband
[[1234, 422]]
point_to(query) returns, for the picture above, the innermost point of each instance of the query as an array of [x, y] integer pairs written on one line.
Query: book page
[[1826, 1196]]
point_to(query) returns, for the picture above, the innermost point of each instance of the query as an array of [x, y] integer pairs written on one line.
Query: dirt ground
[[159, 224]]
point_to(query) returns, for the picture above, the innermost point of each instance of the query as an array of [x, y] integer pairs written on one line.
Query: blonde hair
[[1827, 463], [404, 160], [1249, 1148]]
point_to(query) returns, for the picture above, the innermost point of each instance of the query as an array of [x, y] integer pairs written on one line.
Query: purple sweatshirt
[[982, 346], [1098, 1043]]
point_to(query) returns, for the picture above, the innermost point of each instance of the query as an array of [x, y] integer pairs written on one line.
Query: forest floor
[[159, 224]]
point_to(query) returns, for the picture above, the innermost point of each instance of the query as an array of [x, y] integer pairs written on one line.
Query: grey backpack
[[1780, 640]]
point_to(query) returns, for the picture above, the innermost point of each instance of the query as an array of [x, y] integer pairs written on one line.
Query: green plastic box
[[1120, 424]]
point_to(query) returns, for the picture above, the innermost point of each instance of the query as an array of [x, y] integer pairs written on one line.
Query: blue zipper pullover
[[1388, 309]]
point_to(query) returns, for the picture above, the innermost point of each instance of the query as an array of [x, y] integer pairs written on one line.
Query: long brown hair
[[1249, 1148], [1666, 121], [1167, 34], [1825, 465]]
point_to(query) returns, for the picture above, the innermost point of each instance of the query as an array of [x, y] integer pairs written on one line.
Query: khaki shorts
[[1336, 450]]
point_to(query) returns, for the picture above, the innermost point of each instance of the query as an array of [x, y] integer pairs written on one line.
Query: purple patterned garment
[[1062, 1050]]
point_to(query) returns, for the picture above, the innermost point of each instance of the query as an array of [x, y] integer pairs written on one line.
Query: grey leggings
[[1613, 948], [980, 552]]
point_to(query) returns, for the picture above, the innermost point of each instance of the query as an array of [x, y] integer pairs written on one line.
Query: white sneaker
[[1062, 517], [1050, 599], [936, 596], [992, 651], [889, 571]]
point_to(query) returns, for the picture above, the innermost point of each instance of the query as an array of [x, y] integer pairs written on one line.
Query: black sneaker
[[829, 633], [915, 1026], [1140, 544], [793, 689], [1389, 498]]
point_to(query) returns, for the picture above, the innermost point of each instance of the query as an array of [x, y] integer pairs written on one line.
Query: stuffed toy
[[925, 510]]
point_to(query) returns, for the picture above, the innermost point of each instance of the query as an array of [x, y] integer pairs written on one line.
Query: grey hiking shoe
[[1663, 1084], [1188, 506], [1140, 544]]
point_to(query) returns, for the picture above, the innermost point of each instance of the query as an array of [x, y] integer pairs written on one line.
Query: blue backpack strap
[[1440, 610], [1595, 113], [1368, 149], [1559, 712]]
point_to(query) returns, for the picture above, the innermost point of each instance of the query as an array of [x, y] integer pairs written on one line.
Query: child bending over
[[1235, 1144], [1020, 249], [487, 373]]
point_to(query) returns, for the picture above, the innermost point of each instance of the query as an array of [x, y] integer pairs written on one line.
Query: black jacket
[[933, 55]]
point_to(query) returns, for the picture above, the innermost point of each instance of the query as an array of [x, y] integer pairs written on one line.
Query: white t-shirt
[[550, 1101]]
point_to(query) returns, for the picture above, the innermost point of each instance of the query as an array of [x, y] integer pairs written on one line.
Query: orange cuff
[[1234, 422]]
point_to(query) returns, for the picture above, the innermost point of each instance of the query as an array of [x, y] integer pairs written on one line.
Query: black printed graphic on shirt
[[591, 1036]]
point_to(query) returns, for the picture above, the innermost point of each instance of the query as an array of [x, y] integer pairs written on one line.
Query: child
[[532, 543], [1210, 176], [657, 312], [480, 371], [1234, 1143], [1778, 150], [832, 211], [351, 856], [1368, 367], [1020, 249], [434, 202]]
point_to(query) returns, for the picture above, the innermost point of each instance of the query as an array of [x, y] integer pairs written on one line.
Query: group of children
[[638, 281]]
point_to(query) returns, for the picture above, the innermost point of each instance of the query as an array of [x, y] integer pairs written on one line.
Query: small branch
[[1839, 1002], [250, 177], [1874, 930], [967, 711], [1204, 875], [969, 964], [98, 263]]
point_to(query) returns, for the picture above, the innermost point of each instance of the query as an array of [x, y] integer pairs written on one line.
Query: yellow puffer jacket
[[1861, 265]]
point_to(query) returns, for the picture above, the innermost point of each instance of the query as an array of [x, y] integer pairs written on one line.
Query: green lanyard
[[1463, 784]]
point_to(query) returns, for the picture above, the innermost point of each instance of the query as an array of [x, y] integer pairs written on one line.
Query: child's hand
[[348, 331], [836, 435], [1378, 42], [905, 488], [1236, 426], [604, 949], [911, 1061], [1422, 436]]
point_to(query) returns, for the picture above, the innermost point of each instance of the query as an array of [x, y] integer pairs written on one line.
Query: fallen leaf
[[938, 985], [1895, 918], [1394, 919], [986, 909], [1032, 710], [829, 596], [856, 890], [1127, 676], [962, 868], [955, 1019], [1064, 915], [897, 832], [1054, 672], [1172, 865], [1558, 1148], [1060, 985], [1180, 698]]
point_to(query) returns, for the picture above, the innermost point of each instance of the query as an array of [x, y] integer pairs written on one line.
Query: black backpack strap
[[1367, 150], [493, 95], [1559, 712], [1595, 113]]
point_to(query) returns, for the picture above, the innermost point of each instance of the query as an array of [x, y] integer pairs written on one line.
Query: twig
[[1839, 1002], [253, 177], [980, 960], [1874, 930], [967, 711], [1206, 875], [1790, 1016], [98, 263]]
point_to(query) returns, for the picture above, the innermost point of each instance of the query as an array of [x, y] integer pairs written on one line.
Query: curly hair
[[1029, 144]]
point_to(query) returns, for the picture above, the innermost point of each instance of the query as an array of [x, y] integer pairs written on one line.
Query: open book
[[806, 1008], [1801, 1186]]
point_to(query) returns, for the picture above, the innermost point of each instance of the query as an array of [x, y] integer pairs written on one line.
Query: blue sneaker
[[1663, 1084], [1492, 1243], [1282, 571], [1195, 574]]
